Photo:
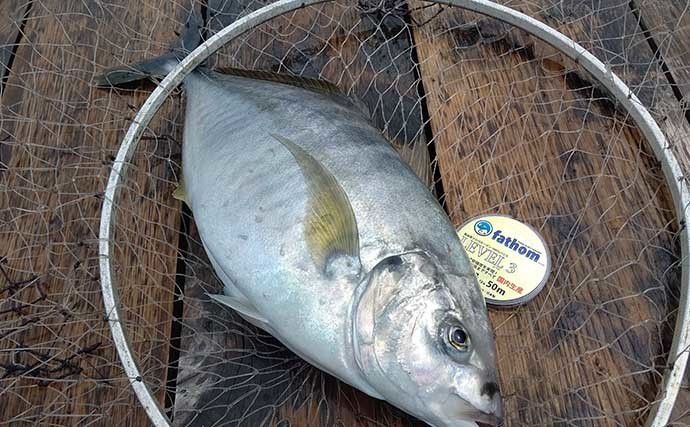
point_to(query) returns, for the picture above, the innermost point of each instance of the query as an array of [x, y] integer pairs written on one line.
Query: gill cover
[[402, 321], [379, 300]]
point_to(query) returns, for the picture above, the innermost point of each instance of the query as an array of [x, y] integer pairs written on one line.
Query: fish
[[326, 238]]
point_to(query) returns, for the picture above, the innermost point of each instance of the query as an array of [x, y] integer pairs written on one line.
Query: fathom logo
[[514, 245], [483, 228]]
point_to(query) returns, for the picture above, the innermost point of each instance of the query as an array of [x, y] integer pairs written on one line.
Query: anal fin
[[241, 306]]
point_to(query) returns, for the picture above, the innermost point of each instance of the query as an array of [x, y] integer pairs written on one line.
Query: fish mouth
[[472, 414]]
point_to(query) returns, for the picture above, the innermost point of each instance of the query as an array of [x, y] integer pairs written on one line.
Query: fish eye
[[459, 338]]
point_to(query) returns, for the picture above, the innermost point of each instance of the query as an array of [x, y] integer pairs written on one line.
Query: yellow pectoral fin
[[330, 227]]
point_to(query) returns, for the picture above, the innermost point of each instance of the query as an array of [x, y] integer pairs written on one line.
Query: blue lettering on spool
[[514, 245]]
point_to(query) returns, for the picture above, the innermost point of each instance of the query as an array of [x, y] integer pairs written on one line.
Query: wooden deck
[[59, 134]]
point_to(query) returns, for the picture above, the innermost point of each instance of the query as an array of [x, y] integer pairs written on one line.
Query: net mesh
[[511, 125]]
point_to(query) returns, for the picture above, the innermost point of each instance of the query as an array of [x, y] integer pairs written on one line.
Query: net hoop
[[678, 354]]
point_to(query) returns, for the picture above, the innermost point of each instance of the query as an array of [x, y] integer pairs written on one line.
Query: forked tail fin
[[159, 66]]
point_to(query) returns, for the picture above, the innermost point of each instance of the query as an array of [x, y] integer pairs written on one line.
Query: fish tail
[[158, 67]]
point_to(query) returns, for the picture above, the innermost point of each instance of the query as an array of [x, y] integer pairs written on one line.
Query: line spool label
[[510, 258]]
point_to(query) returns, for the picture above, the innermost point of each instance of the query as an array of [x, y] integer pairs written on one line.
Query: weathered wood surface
[[536, 146], [11, 18], [662, 85], [668, 24], [58, 365], [231, 371]]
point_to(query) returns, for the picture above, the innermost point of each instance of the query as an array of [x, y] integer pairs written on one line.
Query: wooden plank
[[668, 24], [229, 371], [11, 17], [58, 364], [616, 37], [541, 143]]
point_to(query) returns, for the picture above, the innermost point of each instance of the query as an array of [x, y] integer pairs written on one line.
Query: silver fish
[[324, 237]]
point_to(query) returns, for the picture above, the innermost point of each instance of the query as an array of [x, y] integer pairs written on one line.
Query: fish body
[[324, 237]]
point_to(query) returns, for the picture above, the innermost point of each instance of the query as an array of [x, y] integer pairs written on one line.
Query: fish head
[[423, 341]]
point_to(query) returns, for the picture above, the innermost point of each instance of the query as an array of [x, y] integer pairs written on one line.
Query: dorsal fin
[[330, 227], [314, 85], [416, 155]]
